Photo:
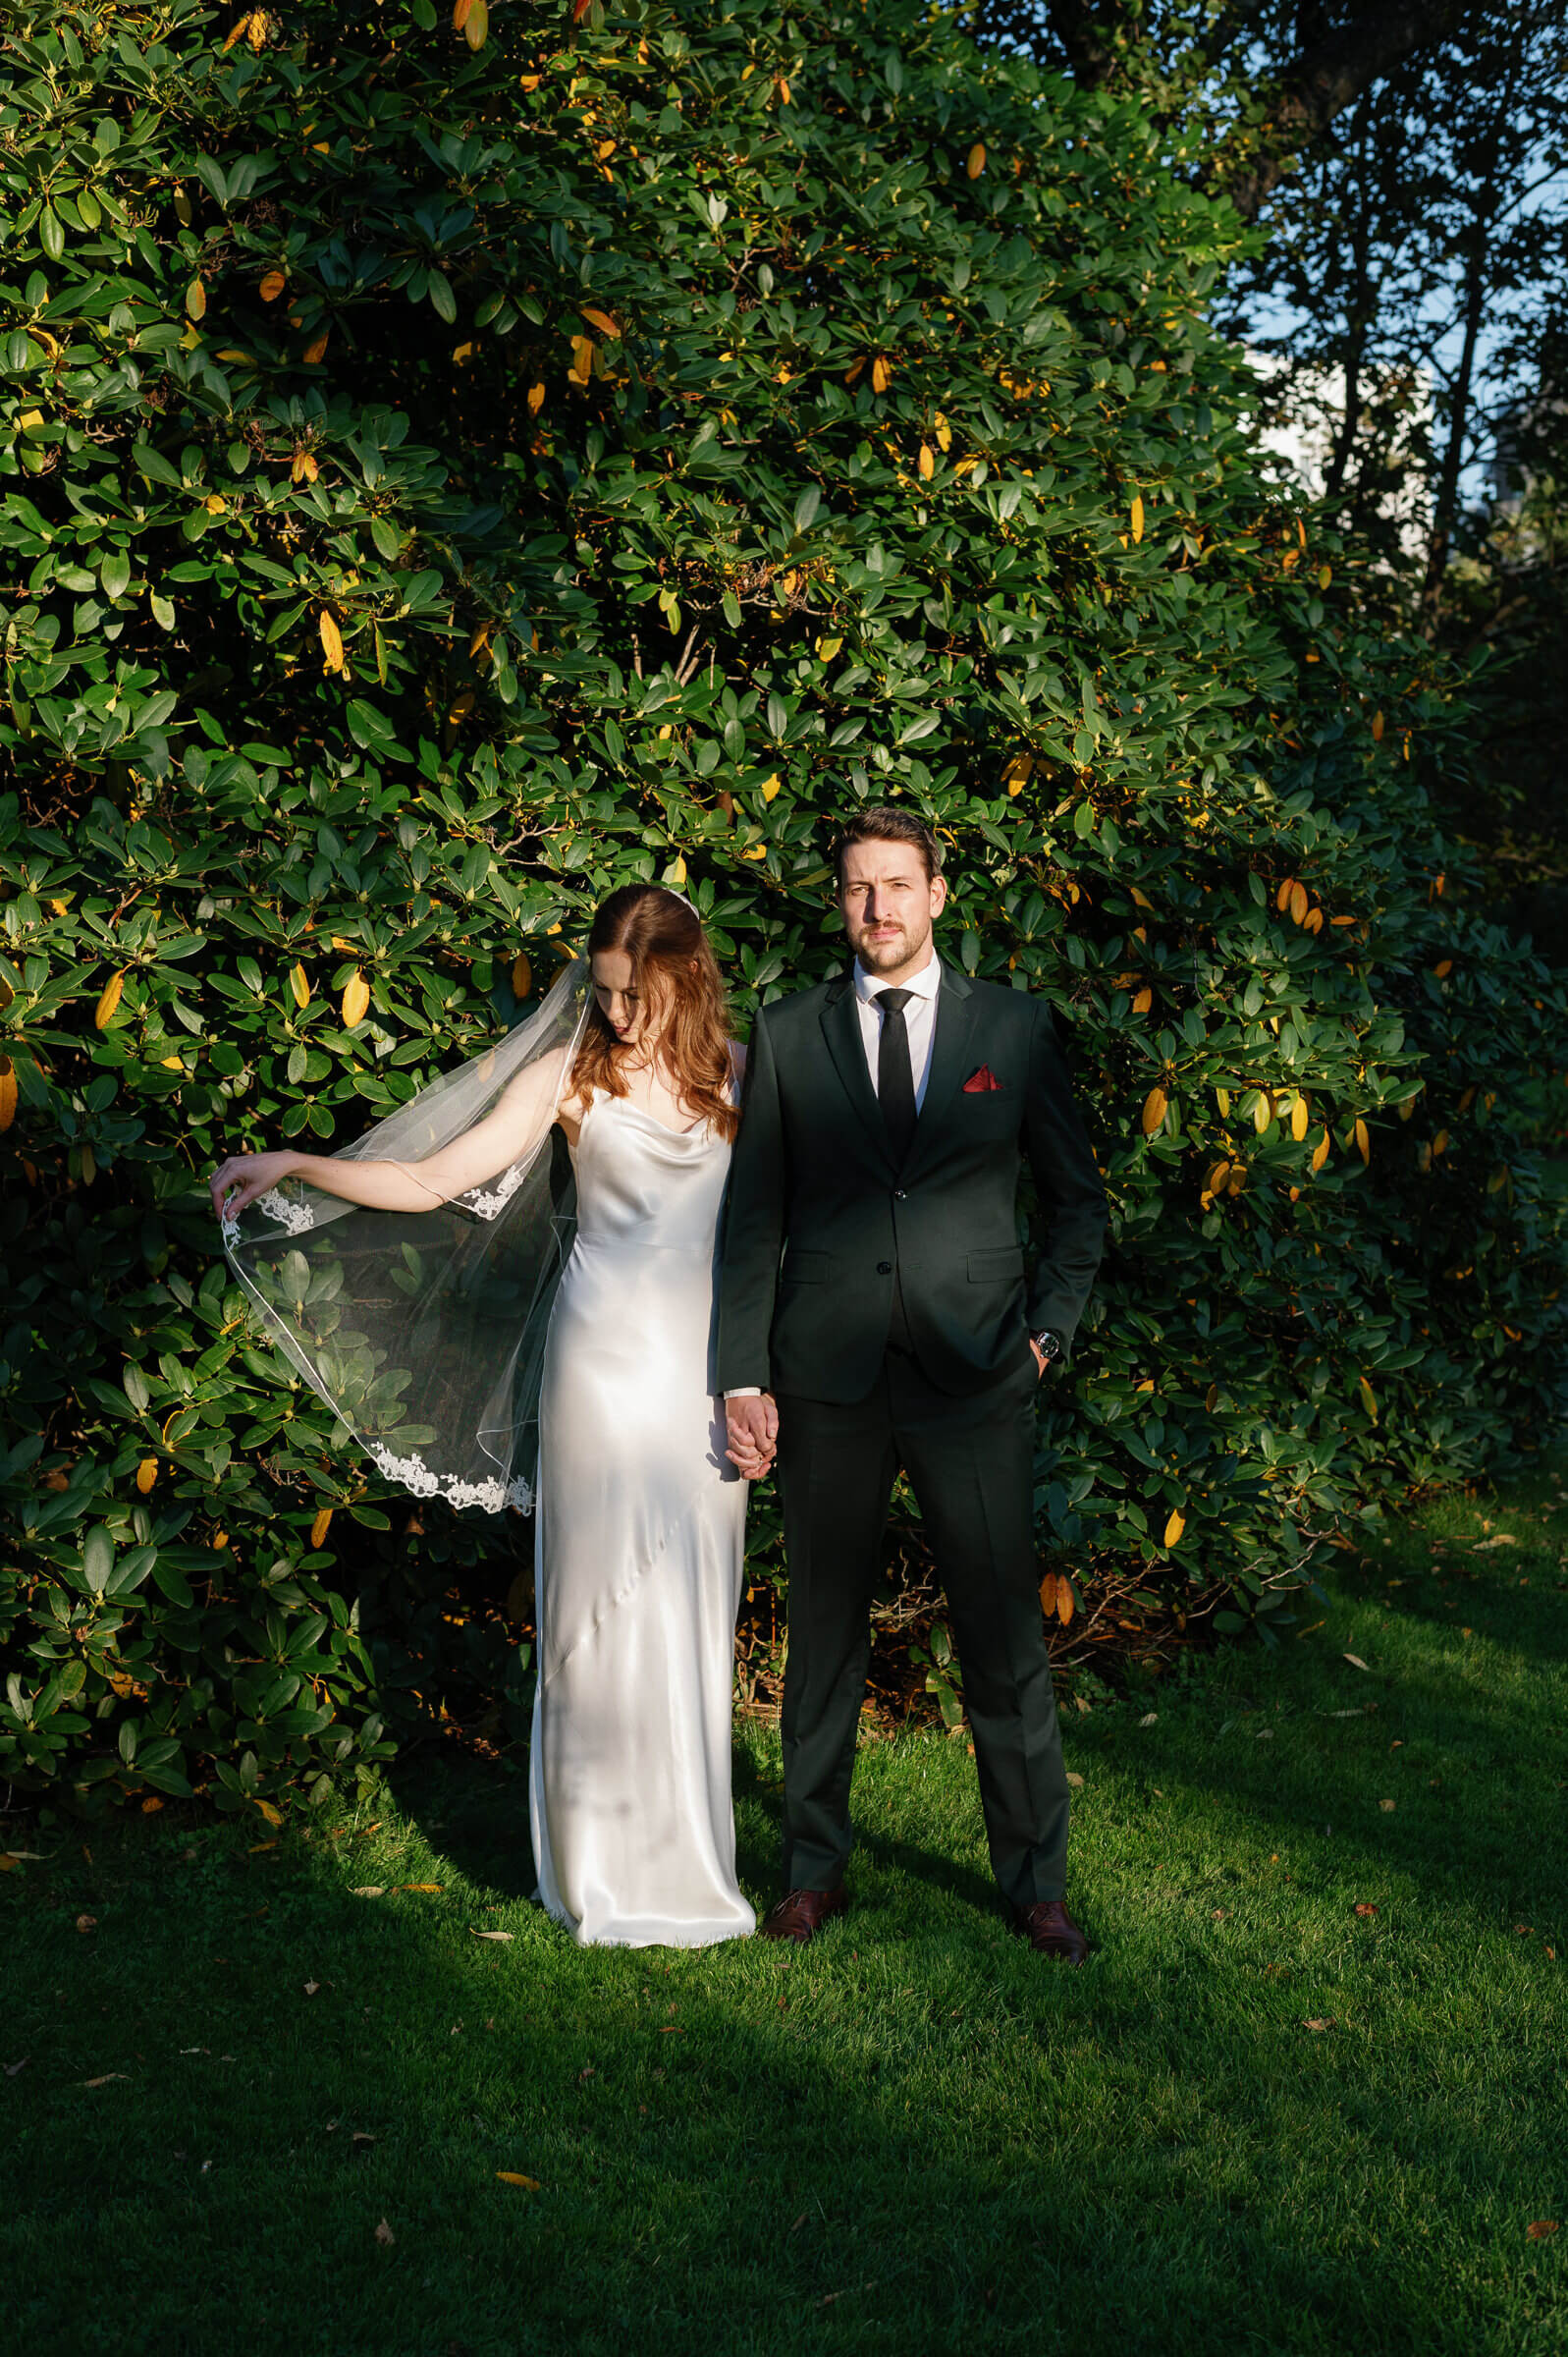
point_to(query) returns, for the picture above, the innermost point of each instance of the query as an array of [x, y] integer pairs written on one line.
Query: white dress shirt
[[919, 1019], [920, 1029]]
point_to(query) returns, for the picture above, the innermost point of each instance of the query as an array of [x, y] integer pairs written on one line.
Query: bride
[[639, 1527]]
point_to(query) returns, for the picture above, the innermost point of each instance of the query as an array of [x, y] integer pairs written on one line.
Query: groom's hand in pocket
[[752, 1425]]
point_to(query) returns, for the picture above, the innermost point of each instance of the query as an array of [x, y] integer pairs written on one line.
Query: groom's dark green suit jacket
[[822, 1221]]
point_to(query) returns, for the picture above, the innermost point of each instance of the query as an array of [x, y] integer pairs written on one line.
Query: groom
[[873, 1312]]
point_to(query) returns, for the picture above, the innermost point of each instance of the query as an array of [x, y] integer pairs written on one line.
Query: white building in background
[[1301, 411]]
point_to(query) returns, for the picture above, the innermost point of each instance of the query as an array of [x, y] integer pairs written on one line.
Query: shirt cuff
[[747, 1391]]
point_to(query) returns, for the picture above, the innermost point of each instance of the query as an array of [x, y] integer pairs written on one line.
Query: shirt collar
[[923, 985]]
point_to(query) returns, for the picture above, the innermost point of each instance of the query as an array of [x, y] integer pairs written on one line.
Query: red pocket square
[[979, 1082]]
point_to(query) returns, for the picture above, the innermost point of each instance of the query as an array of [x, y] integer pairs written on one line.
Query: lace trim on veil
[[414, 1474]]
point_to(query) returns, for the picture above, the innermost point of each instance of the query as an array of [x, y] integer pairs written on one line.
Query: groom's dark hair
[[883, 823]]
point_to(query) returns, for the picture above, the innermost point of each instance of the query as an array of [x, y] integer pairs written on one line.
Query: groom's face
[[889, 905]]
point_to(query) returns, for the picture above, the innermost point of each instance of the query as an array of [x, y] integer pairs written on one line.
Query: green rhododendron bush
[[450, 471]]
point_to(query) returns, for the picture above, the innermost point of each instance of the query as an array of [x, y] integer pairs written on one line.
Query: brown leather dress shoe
[[1050, 1931], [800, 1914]]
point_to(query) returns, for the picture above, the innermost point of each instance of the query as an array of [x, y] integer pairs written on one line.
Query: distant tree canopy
[[450, 472]]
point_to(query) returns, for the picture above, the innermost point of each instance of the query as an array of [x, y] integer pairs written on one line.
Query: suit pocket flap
[[807, 1268], [1001, 1264]]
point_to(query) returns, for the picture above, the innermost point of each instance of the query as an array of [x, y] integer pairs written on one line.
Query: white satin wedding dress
[[639, 1540]]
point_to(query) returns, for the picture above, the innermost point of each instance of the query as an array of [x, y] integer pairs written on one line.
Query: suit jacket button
[[900, 1193], [885, 1267]]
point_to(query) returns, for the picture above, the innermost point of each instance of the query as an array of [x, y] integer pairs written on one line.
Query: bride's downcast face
[[625, 1009]]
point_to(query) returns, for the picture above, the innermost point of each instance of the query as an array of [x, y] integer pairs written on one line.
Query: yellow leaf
[[512, 2177], [146, 1474], [1142, 898], [1325, 573], [1319, 1153], [299, 983], [1144, 1001], [8, 1093], [1222, 1100], [826, 648], [215, 503], [195, 299], [477, 24], [1362, 1141], [771, 787], [522, 976], [1216, 1178], [1282, 896], [1175, 1526], [236, 33], [880, 374], [1368, 1399], [975, 162], [1298, 1117], [355, 1000], [320, 1526], [677, 871], [927, 462], [603, 321], [315, 350], [1299, 903], [1154, 1109], [536, 400], [272, 286], [783, 89], [1312, 922], [944, 431], [273, 1816], [305, 468], [417, 1886], [1263, 1111], [104, 1012], [331, 640], [1136, 516], [758, 851]]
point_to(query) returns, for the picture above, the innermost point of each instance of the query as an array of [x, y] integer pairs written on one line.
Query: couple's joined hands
[[752, 1425]]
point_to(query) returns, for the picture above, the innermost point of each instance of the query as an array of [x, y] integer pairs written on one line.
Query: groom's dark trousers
[[880, 1297]]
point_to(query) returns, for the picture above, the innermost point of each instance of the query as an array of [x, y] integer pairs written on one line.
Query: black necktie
[[895, 1080]]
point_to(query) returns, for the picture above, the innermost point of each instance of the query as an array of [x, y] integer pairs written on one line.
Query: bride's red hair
[[676, 976]]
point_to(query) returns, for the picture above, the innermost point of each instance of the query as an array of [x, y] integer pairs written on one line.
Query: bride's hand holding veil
[[490, 1146]]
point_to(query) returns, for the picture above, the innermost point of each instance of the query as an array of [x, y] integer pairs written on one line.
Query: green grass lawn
[[1307, 2095]]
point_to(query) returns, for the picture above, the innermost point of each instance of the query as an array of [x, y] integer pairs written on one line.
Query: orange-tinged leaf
[[1174, 1526], [603, 321], [927, 462], [305, 468], [1154, 1109], [460, 14], [273, 1816], [880, 374], [1299, 901], [315, 350], [1067, 1603], [299, 984], [8, 1093], [1540, 2228], [477, 24], [417, 1886], [1376, 728], [1135, 516], [1325, 573], [1216, 1178], [103, 1013], [1368, 1399], [536, 400], [1312, 922], [1144, 1001], [331, 640], [1048, 1593], [321, 1525], [1299, 1117], [236, 33], [272, 286], [146, 1474], [522, 976], [514, 2176], [975, 163], [1319, 1153], [783, 89], [1443, 969], [1362, 1141], [1282, 896], [355, 1001], [1365, 1907], [195, 299]]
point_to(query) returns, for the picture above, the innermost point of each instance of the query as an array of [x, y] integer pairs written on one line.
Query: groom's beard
[[886, 956]]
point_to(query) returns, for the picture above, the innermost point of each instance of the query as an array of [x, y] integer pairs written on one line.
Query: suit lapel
[[949, 1061], [840, 1028]]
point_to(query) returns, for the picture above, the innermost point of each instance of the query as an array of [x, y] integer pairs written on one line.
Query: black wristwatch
[[1048, 1344]]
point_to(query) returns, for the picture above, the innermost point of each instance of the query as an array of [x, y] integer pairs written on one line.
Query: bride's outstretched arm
[[521, 1114]]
